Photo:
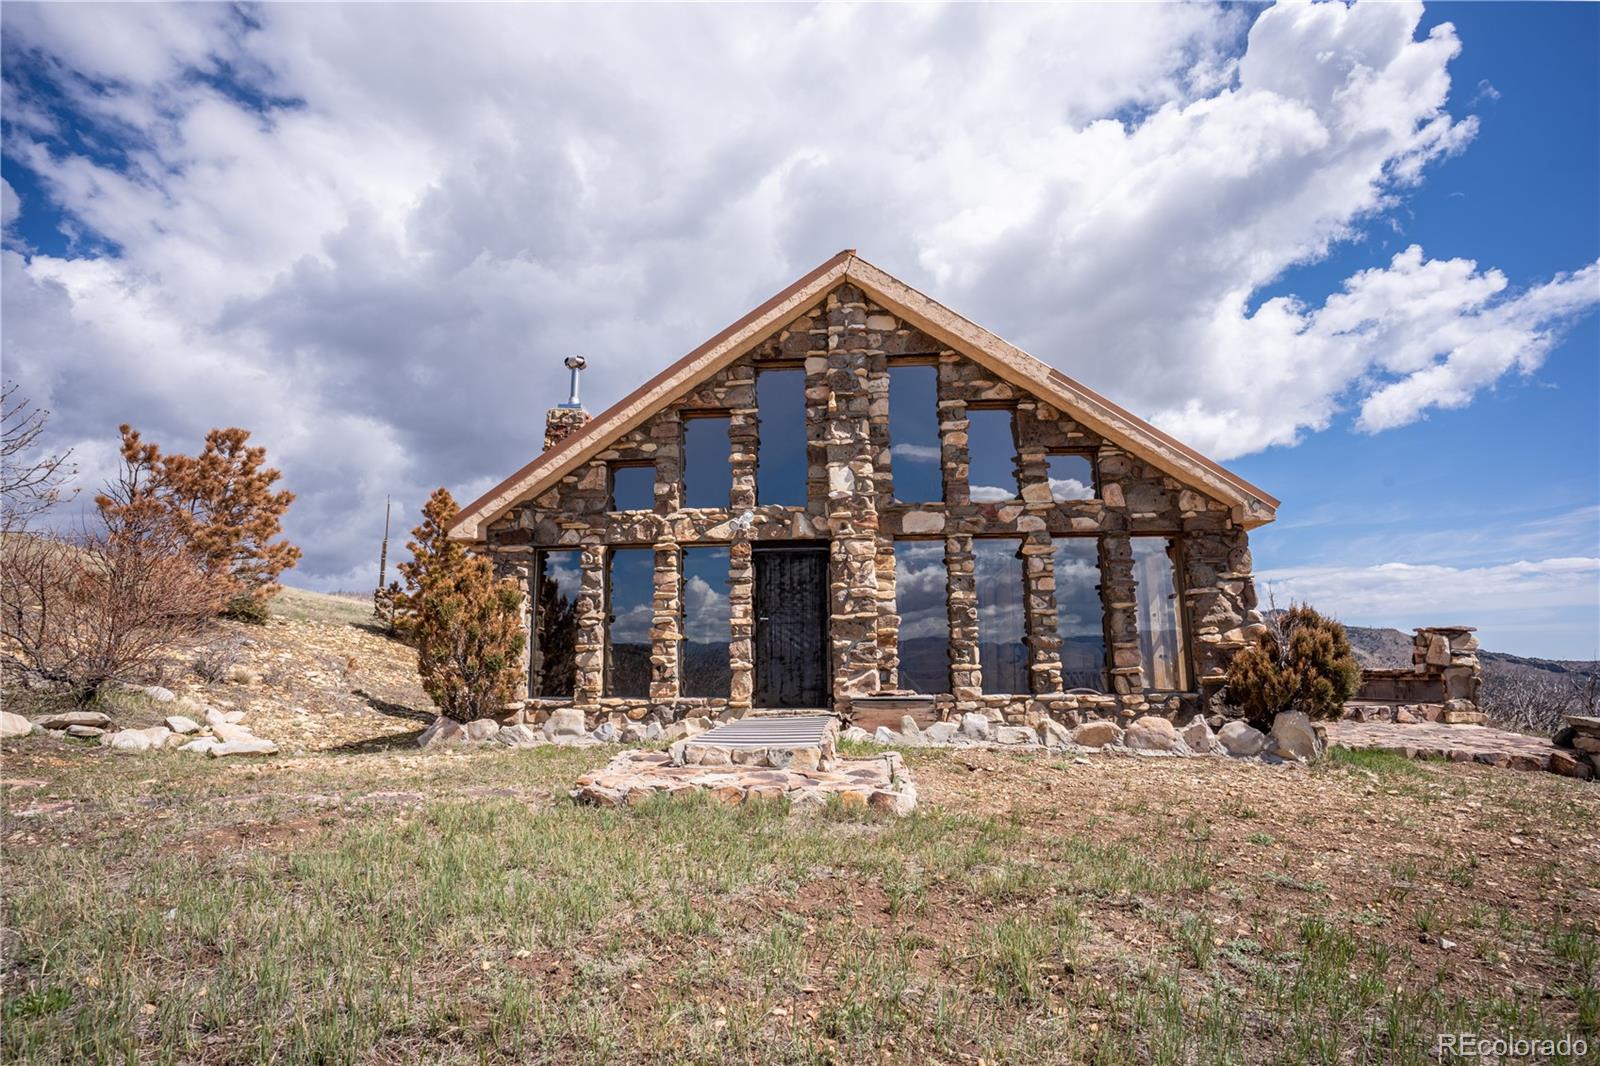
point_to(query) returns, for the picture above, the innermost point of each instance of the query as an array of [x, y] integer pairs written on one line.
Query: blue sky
[[1349, 251]]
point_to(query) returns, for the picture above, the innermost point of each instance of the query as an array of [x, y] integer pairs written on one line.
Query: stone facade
[[845, 345]]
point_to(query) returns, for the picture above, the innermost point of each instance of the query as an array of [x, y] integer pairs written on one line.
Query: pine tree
[[1305, 663], [220, 503], [467, 626]]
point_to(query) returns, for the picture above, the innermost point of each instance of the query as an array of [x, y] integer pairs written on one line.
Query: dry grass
[[403, 907]]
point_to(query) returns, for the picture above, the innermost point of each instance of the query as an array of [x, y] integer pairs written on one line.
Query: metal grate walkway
[[774, 732]]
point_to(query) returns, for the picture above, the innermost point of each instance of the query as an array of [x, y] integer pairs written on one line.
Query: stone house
[[853, 498]]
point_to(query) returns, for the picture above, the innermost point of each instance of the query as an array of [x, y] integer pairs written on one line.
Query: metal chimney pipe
[[574, 363]]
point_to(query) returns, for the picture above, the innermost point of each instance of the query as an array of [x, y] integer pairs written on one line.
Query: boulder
[[85, 732], [72, 718], [564, 722], [180, 724], [1052, 734], [1293, 737], [199, 745], [1013, 734], [857, 734], [910, 730], [253, 746], [1567, 764], [1096, 734], [159, 694], [940, 732], [130, 740], [520, 735], [233, 717], [1199, 737], [215, 718], [225, 731], [976, 726], [13, 726], [606, 733], [443, 731], [885, 735], [1151, 733], [653, 731], [480, 730], [1241, 739]]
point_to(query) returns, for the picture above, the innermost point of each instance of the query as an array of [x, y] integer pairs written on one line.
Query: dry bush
[[101, 606], [1305, 663], [1538, 702], [30, 483], [215, 661]]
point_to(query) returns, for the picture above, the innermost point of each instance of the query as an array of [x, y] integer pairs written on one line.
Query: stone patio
[[880, 783], [1461, 743]]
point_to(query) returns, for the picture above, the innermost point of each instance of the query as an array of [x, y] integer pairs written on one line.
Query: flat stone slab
[[772, 731], [1457, 743], [880, 782]]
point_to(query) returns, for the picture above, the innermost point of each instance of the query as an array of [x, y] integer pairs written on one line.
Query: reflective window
[[781, 454], [633, 488], [1002, 653], [914, 456], [707, 472], [630, 603], [1071, 477], [1160, 614], [707, 623], [922, 601], [557, 576], [992, 456], [1080, 615]]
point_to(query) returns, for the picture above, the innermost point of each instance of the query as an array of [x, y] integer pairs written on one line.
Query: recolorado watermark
[[1508, 1047]]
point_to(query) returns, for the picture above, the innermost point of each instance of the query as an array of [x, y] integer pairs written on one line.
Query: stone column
[[1043, 635], [741, 613], [590, 645], [667, 435], [966, 675], [666, 630], [561, 423], [1119, 598], [743, 439], [852, 503]]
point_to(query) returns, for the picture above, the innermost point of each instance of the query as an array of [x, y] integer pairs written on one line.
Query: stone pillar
[[741, 614], [667, 435], [1122, 632], [888, 617], [1043, 636], [666, 630], [590, 646], [561, 423], [519, 568], [852, 502], [743, 439], [966, 675], [1451, 653]]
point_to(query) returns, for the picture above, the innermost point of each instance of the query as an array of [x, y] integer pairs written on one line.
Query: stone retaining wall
[[845, 346]]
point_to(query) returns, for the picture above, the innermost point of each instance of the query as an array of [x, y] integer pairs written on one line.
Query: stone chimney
[[563, 420]]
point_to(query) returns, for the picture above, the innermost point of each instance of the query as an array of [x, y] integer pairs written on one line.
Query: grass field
[[407, 907]]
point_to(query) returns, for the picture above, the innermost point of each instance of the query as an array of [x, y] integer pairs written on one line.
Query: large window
[[1071, 477], [707, 472], [922, 600], [991, 456], [630, 603], [1002, 653], [633, 487], [1080, 615], [914, 434], [1160, 621], [557, 576], [781, 462], [707, 623]]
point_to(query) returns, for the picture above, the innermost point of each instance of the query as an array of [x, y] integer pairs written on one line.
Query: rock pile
[[565, 727], [1577, 751], [218, 733], [881, 783], [1293, 737]]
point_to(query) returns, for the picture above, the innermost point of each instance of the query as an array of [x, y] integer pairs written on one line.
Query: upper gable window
[[633, 487], [781, 461], [914, 455], [1071, 477], [991, 455], [707, 471]]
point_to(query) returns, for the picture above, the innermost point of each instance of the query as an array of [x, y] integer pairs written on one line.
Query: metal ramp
[[774, 731]]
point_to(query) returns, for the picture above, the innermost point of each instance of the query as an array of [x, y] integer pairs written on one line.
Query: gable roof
[[1252, 506]]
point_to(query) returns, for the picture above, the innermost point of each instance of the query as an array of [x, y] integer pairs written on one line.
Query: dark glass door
[[791, 632]]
